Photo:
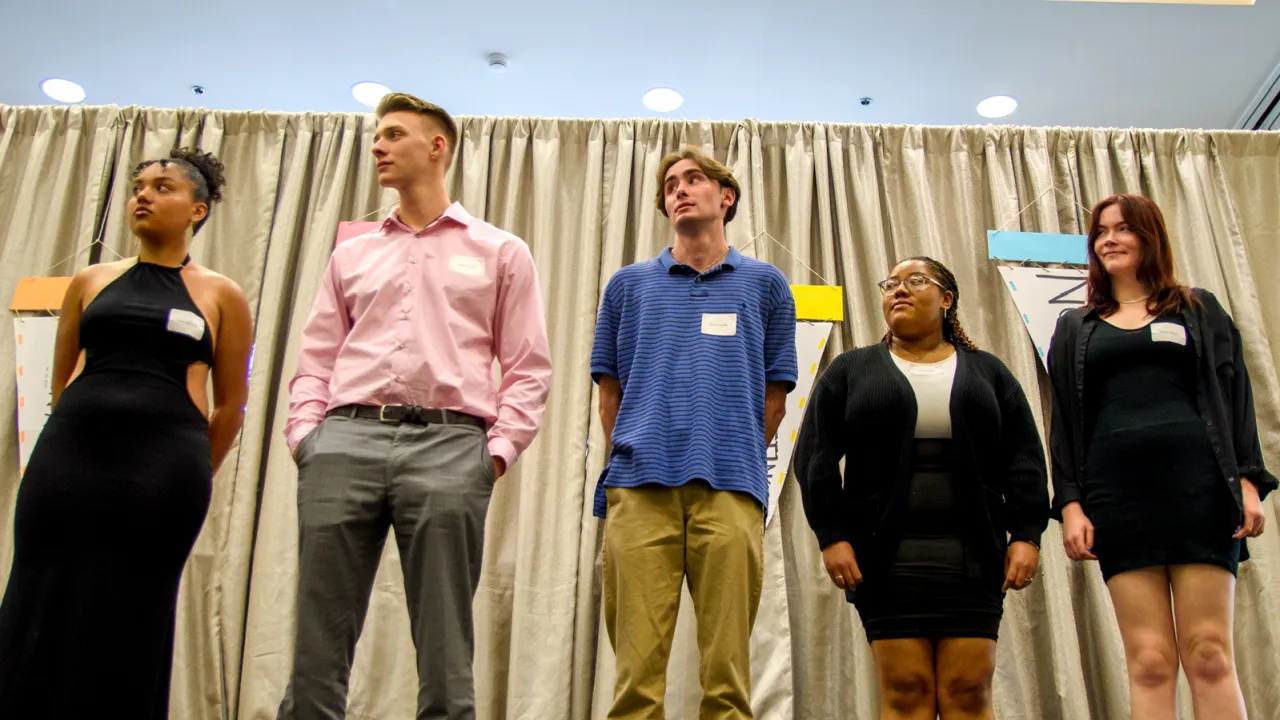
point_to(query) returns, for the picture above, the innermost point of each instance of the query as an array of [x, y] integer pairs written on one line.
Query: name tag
[[723, 325], [185, 322], [466, 265], [1168, 332]]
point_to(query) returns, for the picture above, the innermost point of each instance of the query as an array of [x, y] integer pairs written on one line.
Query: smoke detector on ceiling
[[498, 63]]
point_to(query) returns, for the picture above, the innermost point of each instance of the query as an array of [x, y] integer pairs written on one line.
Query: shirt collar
[[732, 260], [454, 213]]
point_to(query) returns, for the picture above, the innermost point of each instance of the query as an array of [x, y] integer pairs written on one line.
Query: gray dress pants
[[431, 484]]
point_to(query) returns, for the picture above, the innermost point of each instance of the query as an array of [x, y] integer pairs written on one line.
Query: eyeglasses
[[915, 283]]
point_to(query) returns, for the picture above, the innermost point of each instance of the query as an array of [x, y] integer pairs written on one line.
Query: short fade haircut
[[404, 102], [709, 166]]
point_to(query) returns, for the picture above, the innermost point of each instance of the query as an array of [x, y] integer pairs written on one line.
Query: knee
[[1153, 667], [1206, 658], [965, 694], [907, 692]]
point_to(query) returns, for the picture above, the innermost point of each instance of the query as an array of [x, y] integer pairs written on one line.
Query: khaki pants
[[654, 537]]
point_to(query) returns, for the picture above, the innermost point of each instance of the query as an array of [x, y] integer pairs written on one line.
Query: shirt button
[[404, 316], [413, 260], [408, 287], [399, 346]]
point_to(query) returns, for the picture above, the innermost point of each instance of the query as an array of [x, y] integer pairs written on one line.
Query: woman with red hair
[[1157, 468]]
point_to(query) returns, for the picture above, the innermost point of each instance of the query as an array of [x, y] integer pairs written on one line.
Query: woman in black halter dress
[[119, 482]]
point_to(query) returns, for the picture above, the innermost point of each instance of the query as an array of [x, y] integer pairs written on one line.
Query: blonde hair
[[709, 166], [404, 102]]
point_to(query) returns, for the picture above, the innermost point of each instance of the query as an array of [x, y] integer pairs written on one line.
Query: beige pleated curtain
[[844, 200]]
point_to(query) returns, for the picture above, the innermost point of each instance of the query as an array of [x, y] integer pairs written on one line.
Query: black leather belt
[[411, 414]]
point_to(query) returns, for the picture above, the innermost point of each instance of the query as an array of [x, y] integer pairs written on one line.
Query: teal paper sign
[[1016, 247]]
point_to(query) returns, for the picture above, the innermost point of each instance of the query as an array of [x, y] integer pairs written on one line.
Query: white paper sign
[[1042, 294], [1168, 332], [724, 325], [33, 339], [811, 341], [185, 322], [467, 265]]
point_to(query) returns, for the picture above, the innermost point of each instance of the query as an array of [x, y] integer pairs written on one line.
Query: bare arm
[[230, 372], [610, 401], [775, 408], [66, 348]]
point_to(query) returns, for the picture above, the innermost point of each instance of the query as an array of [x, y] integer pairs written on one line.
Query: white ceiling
[[922, 61]]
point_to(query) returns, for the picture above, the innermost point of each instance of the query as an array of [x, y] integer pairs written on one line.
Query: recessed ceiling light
[[663, 99], [369, 93], [1179, 2], [62, 90], [997, 106]]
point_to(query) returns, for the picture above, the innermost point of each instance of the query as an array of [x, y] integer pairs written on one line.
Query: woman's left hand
[[1020, 565], [1254, 519]]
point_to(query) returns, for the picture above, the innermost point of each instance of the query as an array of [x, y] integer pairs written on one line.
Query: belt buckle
[[382, 414]]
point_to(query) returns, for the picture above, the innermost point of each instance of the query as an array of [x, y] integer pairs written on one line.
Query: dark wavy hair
[[1155, 267], [202, 169], [952, 332]]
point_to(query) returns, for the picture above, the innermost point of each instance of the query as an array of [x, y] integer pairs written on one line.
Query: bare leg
[[966, 667], [907, 679], [1145, 615], [1203, 603]]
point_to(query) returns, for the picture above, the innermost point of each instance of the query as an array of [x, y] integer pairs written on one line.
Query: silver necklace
[[892, 343], [717, 262]]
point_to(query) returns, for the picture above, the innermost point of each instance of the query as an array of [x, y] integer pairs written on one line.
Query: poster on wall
[[1046, 275], [811, 342], [354, 228], [33, 342], [1042, 294]]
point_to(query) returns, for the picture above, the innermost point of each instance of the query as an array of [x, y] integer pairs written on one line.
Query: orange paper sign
[[39, 294]]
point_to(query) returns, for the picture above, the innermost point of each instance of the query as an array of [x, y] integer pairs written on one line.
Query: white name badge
[[723, 325], [1168, 332], [466, 265], [185, 322]]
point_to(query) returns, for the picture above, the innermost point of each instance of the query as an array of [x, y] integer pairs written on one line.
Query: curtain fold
[[824, 202]]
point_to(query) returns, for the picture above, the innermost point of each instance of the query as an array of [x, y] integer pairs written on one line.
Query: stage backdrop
[[847, 201]]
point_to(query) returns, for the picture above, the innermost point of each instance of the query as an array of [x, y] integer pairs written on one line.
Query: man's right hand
[[841, 565], [1077, 533], [297, 448]]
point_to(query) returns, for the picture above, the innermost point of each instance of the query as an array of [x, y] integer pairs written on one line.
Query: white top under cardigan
[[931, 382]]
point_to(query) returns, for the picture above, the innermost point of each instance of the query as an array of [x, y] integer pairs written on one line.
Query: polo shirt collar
[[732, 260]]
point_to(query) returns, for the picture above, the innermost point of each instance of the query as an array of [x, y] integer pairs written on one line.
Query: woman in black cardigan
[[943, 466], [1157, 469]]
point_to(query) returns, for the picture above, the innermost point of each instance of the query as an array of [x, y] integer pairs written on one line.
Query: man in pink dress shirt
[[396, 420]]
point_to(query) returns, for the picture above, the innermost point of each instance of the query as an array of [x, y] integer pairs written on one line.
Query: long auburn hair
[[1155, 267]]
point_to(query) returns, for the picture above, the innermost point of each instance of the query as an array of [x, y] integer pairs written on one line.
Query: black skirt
[[937, 585]]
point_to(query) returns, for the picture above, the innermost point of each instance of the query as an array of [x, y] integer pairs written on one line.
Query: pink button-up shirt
[[417, 318]]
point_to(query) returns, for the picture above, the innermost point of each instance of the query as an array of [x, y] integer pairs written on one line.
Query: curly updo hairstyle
[[203, 170]]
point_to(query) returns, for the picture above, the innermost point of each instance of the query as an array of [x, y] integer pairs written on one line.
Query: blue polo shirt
[[693, 353]]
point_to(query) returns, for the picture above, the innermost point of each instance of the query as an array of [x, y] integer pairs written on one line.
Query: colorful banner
[[34, 339], [348, 230], [1041, 293], [811, 341]]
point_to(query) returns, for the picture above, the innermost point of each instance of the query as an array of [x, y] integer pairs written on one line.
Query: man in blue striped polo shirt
[[694, 355]]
